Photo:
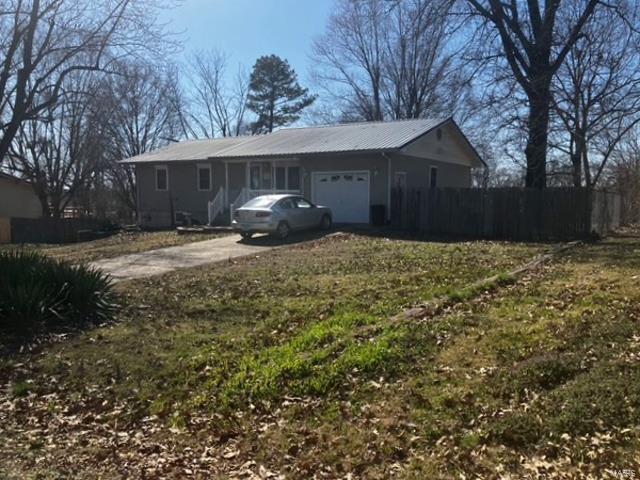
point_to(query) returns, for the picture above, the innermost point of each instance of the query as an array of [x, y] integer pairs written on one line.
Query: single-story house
[[17, 198], [347, 167]]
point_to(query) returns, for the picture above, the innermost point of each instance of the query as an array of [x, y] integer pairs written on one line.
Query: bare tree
[[137, 113], [623, 174], [389, 59], [534, 39], [419, 74], [60, 151], [349, 56], [215, 109], [597, 92], [42, 42]]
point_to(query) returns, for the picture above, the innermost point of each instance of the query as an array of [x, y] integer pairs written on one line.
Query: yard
[[121, 243], [291, 364]]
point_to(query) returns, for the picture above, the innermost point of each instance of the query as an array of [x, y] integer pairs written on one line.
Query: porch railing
[[215, 206], [241, 199]]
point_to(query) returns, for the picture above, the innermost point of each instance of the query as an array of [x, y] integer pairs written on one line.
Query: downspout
[[388, 214], [138, 205]]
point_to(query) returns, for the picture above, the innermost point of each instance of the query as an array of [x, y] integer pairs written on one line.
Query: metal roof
[[188, 150], [13, 178], [350, 137]]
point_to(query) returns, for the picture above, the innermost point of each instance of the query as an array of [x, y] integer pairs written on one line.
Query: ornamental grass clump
[[39, 293]]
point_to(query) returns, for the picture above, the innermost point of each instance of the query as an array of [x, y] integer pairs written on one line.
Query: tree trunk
[[576, 157], [536, 151], [377, 108], [44, 203], [587, 168], [576, 162]]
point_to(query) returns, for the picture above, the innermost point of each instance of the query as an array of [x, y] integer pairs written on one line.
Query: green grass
[[291, 322], [291, 361]]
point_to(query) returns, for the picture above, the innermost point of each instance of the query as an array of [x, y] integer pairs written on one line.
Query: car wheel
[[283, 230], [246, 235], [325, 223]]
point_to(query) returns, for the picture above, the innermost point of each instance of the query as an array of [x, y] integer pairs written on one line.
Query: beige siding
[[17, 199], [417, 170], [450, 148], [5, 230]]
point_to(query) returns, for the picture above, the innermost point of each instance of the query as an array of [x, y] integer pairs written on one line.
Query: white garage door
[[346, 193]]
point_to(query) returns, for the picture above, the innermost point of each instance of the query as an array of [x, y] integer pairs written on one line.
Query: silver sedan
[[279, 215]]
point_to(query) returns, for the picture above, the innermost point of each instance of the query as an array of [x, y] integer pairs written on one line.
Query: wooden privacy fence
[[506, 213], [53, 230]]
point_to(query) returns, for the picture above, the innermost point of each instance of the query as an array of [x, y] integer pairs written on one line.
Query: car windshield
[[260, 202]]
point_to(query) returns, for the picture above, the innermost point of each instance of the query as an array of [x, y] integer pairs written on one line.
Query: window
[[204, 177], [162, 178], [281, 178], [294, 178], [302, 203], [433, 177], [255, 177], [264, 201], [287, 178], [286, 204]]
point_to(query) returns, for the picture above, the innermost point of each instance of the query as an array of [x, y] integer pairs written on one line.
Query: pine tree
[[275, 95]]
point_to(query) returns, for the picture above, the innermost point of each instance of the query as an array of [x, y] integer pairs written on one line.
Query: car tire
[[283, 230], [246, 235], [325, 223]]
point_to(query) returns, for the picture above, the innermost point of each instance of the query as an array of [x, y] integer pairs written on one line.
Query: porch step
[[202, 229]]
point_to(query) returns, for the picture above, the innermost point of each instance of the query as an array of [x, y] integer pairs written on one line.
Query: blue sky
[[247, 29]]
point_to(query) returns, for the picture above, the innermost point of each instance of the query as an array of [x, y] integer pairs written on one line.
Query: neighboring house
[[346, 167], [17, 198]]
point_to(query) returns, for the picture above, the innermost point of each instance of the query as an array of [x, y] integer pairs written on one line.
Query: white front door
[[346, 193]]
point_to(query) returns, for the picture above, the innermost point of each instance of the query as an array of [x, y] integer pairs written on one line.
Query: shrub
[[537, 374], [38, 292], [516, 430], [607, 397]]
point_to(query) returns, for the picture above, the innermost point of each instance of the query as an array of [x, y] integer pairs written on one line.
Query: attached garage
[[346, 193], [349, 168]]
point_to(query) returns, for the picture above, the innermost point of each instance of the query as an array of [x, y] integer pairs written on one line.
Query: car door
[[307, 213], [289, 212]]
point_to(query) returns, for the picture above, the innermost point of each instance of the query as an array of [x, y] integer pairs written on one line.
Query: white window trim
[[431, 169], [155, 179], [203, 166], [274, 166]]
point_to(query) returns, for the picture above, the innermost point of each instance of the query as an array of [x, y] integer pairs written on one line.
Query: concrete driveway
[[163, 260]]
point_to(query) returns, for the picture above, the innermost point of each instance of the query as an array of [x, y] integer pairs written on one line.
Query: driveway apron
[[163, 260]]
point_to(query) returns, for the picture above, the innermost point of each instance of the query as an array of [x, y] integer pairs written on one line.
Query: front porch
[[244, 180]]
